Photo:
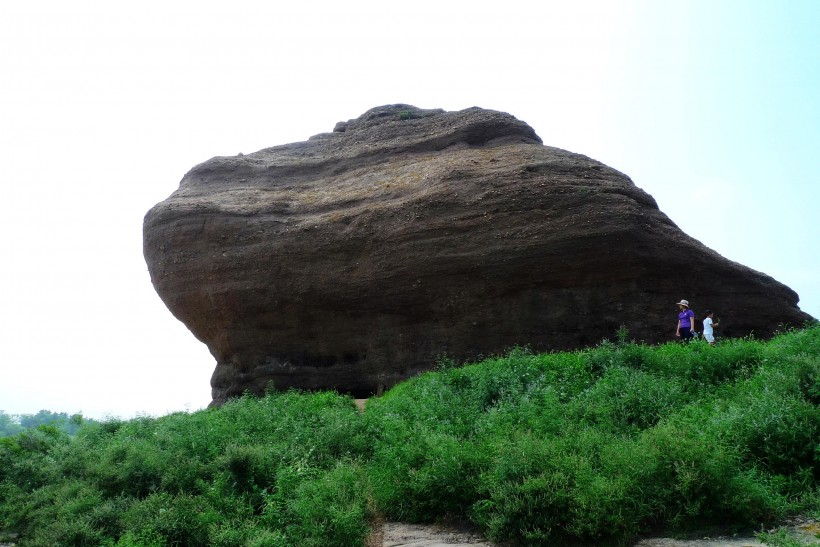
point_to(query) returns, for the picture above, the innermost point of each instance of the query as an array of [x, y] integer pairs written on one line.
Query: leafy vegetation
[[589, 446]]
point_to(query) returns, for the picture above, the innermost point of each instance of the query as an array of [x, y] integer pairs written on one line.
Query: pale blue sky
[[721, 105], [711, 107]]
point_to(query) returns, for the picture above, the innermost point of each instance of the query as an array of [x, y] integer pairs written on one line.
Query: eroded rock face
[[356, 258]]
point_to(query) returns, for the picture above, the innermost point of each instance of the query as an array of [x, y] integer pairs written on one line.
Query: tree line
[[12, 424]]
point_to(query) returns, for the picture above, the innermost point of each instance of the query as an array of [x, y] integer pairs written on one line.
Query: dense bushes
[[540, 449]]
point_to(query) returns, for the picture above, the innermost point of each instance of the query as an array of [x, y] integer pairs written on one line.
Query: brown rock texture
[[354, 259]]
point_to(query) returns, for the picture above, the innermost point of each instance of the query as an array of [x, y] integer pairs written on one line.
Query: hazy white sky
[[711, 106]]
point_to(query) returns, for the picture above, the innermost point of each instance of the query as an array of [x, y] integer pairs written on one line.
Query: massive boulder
[[354, 259]]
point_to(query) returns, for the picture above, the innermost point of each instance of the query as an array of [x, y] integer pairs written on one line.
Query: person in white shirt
[[708, 331]]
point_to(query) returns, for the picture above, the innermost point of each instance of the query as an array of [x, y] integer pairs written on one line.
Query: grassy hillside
[[592, 446]]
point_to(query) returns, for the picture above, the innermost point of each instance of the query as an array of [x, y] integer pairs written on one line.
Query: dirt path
[[418, 535], [415, 535], [392, 534]]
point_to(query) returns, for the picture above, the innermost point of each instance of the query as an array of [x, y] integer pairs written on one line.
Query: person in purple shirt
[[686, 321]]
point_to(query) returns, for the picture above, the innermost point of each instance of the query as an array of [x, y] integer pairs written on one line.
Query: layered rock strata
[[354, 259]]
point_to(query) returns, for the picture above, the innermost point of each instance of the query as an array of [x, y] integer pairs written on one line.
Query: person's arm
[[691, 315], [677, 331]]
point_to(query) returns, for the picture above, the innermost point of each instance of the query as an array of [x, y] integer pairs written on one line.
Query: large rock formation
[[356, 258]]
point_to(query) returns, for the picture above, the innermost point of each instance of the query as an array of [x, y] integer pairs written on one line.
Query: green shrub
[[332, 509], [778, 431], [700, 479], [26, 459], [174, 520], [548, 491], [587, 447], [420, 481], [625, 400]]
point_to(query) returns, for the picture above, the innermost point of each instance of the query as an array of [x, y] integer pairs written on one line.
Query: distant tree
[[13, 424], [8, 425], [43, 417]]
